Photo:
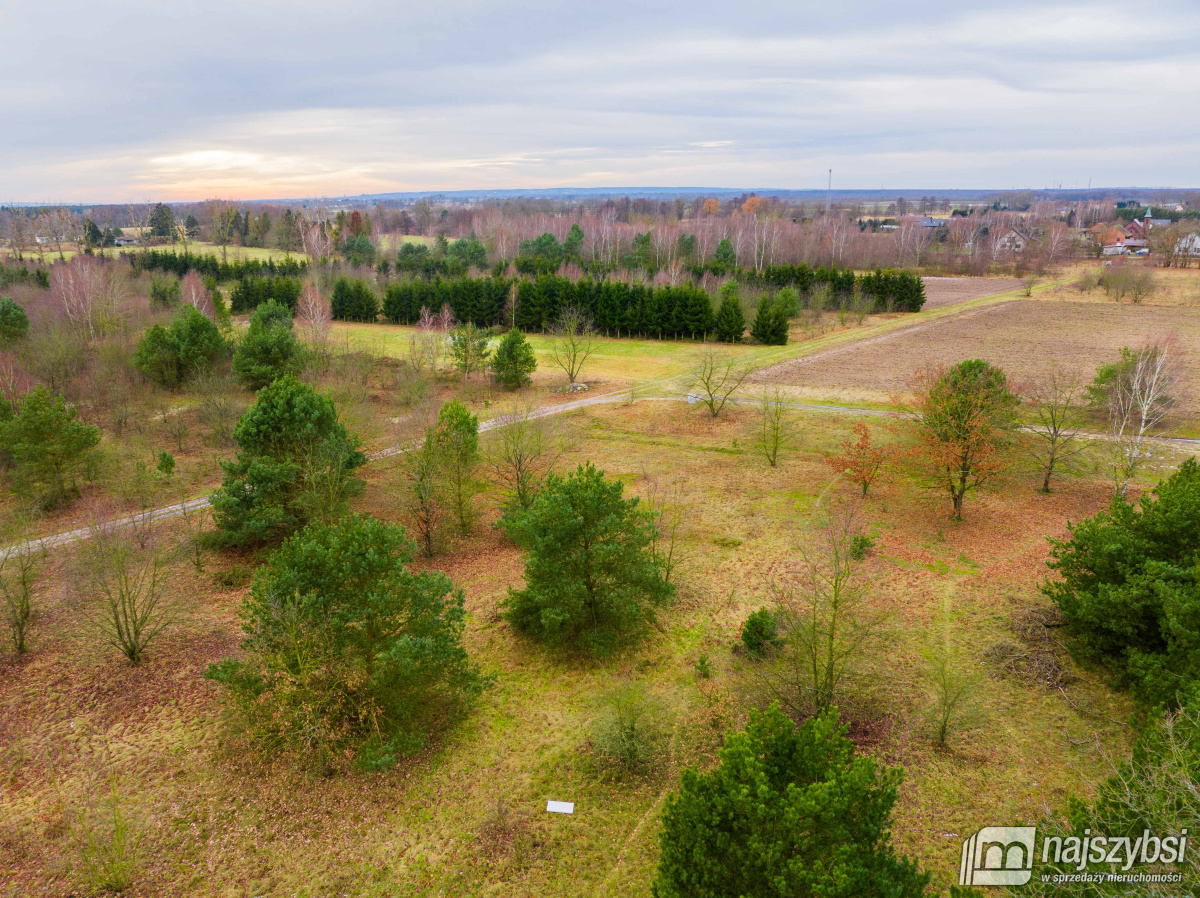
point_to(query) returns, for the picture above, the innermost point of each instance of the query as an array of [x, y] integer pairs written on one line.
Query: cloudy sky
[[128, 101]]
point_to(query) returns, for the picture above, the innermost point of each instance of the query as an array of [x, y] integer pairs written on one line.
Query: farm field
[[1023, 336], [466, 817], [941, 292]]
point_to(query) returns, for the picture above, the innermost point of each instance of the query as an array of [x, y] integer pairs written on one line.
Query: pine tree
[[590, 574], [514, 361], [789, 811], [730, 323]]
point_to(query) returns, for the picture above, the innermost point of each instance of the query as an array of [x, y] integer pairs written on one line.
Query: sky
[[134, 101]]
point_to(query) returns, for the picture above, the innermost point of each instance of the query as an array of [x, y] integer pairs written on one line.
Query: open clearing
[[467, 816], [1025, 337], [214, 820]]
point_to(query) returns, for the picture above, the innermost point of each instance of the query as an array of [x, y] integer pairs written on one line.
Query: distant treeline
[[210, 266]]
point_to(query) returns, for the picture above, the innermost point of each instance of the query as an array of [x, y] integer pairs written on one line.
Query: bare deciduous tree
[[124, 571], [953, 686], [194, 293], [716, 375], [826, 623], [523, 451], [90, 293], [575, 341], [1139, 400], [20, 235], [1057, 404], [313, 315], [668, 505], [422, 468], [222, 216], [18, 574], [774, 426]]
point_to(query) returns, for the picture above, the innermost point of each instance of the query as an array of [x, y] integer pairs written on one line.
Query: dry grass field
[[467, 816], [211, 815]]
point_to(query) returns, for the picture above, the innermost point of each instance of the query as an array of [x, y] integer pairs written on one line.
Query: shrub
[[295, 463], [269, 349], [514, 361], [1129, 589], [49, 446], [353, 301], [860, 545], [760, 632], [789, 811], [165, 292], [235, 577], [187, 349], [590, 575], [628, 733], [14, 323], [348, 654]]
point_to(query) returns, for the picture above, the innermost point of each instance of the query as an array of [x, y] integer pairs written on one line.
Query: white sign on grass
[[560, 807]]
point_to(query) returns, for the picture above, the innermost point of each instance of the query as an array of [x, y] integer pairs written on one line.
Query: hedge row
[[617, 308], [181, 263]]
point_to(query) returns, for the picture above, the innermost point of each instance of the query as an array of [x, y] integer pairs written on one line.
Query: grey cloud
[[178, 99]]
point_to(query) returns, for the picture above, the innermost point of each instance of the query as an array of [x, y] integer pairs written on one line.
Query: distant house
[[923, 221], [1139, 229], [1188, 245], [1014, 240], [125, 240]]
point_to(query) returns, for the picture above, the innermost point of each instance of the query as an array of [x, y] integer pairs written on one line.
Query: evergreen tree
[[162, 221], [514, 361], [730, 322], [269, 349], [191, 226], [590, 573], [573, 244], [353, 301], [789, 811], [188, 348], [1129, 588], [724, 259], [770, 324], [48, 445], [347, 652], [14, 323], [295, 463]]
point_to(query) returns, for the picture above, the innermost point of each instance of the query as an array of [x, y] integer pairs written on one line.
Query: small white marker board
[[560, 807]]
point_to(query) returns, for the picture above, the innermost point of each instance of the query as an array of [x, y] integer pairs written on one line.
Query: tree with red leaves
[[860, 461]]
